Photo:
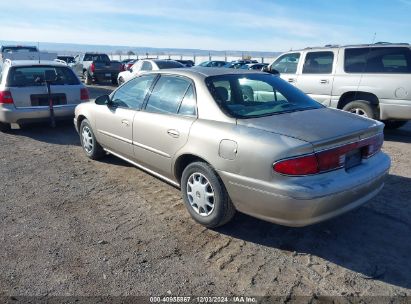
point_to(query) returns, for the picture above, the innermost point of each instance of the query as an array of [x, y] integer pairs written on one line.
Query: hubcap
[[200, 194], [359, 111], [87, 139]]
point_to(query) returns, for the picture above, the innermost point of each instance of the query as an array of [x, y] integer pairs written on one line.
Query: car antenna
[[365, 66]]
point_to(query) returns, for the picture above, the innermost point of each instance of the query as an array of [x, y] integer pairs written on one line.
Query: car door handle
[[324, 81], [125, 122], [173, 133], [291, 80]]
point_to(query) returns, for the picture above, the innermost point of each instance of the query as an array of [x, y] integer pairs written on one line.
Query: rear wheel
[[4, 127], [362, 108], [120, 81], [205, 196], [394, 124], [88, 141]]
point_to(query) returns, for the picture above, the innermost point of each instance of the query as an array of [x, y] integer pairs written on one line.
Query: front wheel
[[394, 124], [4, 127], [362, 108], [88, 141], [205, 196]]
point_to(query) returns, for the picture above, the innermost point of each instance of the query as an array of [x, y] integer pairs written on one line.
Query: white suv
[[369, 80]]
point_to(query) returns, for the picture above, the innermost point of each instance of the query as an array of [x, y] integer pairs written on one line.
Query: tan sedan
[[239, 140]]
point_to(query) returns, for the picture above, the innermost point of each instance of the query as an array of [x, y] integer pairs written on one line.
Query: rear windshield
[[34, 76], [5, 49], [257, 95], [68, 59], [378, 60], [96, 57], [168, 64]]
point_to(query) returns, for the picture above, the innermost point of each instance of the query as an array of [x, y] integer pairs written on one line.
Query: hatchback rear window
[[378, 60], [34, 76], [257, 95]]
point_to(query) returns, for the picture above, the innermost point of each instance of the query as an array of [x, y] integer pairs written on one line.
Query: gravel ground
[[72, 226]]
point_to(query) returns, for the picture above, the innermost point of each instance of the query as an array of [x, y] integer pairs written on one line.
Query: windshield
[[34, 76], [256, 95]]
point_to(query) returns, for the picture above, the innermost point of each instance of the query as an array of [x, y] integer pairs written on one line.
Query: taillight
[[328, 160], [92, 67], [6, 98], [303, 165], [84, 94]]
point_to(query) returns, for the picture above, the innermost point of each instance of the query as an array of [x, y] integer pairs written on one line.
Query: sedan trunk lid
[[324, 128]]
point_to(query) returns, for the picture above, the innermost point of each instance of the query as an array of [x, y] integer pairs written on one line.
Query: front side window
[[318, 63], [34, 76], [287, 63], [257, 95], [167, 95], [378, 60], [132, 94]]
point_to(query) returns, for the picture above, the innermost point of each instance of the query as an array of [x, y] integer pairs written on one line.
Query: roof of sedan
[[205, 71]]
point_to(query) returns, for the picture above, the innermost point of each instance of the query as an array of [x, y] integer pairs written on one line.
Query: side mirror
[[102, 100], [267, 69], [50, 76]]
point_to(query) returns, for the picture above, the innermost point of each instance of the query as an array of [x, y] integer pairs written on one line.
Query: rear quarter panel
[[257, 150]]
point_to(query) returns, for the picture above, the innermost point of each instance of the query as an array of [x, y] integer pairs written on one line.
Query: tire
[[394, 124], [87, 78], [120, 81], [363, 108], [4, 127], [200, 178], [88, 141]]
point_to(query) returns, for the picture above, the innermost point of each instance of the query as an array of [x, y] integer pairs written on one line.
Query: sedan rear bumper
[[302, 201], [11, 114]]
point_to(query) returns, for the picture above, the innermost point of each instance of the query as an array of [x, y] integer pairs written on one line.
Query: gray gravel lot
[[71, 226]]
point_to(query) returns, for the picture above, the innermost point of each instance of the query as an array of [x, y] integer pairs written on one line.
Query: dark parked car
[[213, 64]]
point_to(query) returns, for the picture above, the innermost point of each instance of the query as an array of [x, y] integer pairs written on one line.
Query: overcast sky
[[258, 25]]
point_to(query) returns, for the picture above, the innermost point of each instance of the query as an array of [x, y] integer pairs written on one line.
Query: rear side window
[[378, 60], [168, 94], [287, 63], [147, 66], [318, 63], [34, 76]]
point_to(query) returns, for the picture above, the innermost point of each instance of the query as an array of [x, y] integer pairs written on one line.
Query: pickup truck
[[96, 67]]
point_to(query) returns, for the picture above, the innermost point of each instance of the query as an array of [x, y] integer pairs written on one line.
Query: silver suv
[[370, 80], [23, 94]]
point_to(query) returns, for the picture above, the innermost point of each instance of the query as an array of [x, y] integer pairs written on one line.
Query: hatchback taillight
[[328, 160], [6, 98], [84, 94]]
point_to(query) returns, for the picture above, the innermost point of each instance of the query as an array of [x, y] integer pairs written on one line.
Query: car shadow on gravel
[[63, 134], [373, 240], [399, 135]]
